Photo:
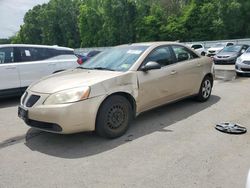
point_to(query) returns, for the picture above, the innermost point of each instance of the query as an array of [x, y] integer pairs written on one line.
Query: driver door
[[157, 87]]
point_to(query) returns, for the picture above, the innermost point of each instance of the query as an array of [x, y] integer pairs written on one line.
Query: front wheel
[[205, 89], [239, 74], [113, 117]]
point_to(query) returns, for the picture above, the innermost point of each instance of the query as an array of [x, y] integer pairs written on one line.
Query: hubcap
[[116, 117], [206, 89]]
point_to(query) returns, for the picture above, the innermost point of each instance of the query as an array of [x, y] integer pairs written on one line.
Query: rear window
[[196, 46]]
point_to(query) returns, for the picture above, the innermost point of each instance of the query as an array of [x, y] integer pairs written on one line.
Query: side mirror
[[151, 65]]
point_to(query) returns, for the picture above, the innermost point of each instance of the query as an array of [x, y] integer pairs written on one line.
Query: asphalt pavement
[[173, 146]]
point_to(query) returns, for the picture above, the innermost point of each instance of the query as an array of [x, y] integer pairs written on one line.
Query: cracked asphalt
[[172, 146]]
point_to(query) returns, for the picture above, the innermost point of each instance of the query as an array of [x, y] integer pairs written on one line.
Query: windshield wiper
[[102, 68]]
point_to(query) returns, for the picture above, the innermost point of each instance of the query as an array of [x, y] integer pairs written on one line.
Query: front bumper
[[242, 68], [64, 118]]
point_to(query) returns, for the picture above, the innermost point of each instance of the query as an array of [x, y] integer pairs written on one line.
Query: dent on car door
[[157, 87], [31, 67], [9, 76], [188, 69]]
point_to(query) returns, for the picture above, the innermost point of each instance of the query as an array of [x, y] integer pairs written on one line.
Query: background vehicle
[[199, 48], [107, 91], [20, 65], [217, 48], [242, 65], [229, 54], [82, 58]]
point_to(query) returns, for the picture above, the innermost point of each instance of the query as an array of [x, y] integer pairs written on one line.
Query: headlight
[[68, 96], [238, 60]]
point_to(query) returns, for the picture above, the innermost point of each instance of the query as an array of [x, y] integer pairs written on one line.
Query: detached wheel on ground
[[205, 89], [113, 117]]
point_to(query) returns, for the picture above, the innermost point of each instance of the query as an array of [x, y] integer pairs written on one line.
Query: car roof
[[38, 46]]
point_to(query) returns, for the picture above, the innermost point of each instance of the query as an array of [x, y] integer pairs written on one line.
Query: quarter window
[[6, 55], [161, 55], [182, 53]]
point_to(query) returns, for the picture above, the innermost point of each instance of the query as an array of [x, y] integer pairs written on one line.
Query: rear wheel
[[113, 117], [205, 89], [203, 53]]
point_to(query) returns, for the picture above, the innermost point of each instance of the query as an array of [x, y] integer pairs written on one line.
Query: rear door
[[32, 64], [189, 70], [9, 77]]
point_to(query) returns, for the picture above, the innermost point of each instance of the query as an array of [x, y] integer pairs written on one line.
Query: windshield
[[232, 49], [116, 59]]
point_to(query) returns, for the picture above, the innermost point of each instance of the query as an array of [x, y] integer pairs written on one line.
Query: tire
[[203, 53], [205, 89], [239, 74], [114, 117]]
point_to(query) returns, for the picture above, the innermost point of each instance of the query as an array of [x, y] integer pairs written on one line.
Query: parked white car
[[199, 48], [217, 48], [20, 65]]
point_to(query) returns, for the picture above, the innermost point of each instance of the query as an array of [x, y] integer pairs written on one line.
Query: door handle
[[52, 64], [173, 72], [10, 68], [199, 64]]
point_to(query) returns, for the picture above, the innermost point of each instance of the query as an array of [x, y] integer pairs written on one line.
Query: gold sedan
[[107, 92]]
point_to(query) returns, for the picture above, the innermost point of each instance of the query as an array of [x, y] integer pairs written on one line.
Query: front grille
[[224, 61], [211, 51], [246, 62], [44, 125], [222, 56], [32, 100], [245, 69]]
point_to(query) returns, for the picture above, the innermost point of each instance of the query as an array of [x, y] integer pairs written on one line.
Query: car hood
[[71, 79], [245, 56], [230, 54]]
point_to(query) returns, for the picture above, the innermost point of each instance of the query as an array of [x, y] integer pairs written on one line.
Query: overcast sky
[[12, 13]]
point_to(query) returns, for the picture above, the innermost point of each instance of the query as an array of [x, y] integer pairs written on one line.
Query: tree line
[[90, 23]]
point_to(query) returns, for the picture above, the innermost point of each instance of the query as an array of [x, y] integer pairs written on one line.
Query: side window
[[161, 55], [196, 46], [6, 55], [245, 47], [64, 52], [230, 44], [25, 54], [182, 53], [43, 54]]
